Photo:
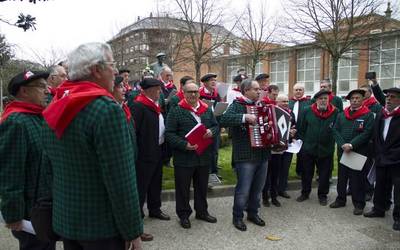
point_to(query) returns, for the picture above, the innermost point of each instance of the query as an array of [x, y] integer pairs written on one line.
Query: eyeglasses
[[113, 64], [192, 92]]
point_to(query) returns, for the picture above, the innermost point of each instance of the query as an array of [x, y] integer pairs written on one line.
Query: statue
[[157, 66]]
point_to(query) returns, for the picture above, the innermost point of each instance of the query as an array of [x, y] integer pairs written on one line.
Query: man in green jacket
[[90, 146], [335, 100], [21, 155], [250, 163], [352, 131], [318, 145], [189, 164]]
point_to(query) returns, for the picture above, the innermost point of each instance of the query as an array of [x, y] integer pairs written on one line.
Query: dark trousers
[[299, 163], [384, 175], [324, 169], [369, 188], [215, 149], [149, 178], [29, 241], [284, 171], [357, 183], [115, 243], [271, 182], [183, 178]]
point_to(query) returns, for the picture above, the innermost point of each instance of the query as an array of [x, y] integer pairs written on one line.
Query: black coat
[[147, 130]]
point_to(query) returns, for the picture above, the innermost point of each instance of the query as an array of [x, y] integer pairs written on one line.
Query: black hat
[[25, 78], [239, 78], [262, 76], [149, 82], [354, 91], [118, 80], [207, 77], [124, 71], [321, 92], [394, 89]]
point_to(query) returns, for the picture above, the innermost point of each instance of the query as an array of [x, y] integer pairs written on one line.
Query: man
[[124, 73], [21, 155], [157, 67], [188, 165], [335, 100], [386, 140], [298, 104], [235, 92], [56, 77], [318, 145], [166, 78], [150, 131], [250, 164], [370, 101], [263, 81], [352, 131], [91, 150], [272, 94], [173, 102]]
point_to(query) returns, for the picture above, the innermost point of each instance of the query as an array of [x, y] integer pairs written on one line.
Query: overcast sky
[[62, 25]]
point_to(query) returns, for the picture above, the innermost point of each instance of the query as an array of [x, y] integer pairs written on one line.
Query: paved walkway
[[304, 225]]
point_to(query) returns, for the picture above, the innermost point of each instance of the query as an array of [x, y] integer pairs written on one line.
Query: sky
[[62, 25]]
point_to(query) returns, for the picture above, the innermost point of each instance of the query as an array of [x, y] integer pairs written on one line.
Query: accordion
[[271, 128]]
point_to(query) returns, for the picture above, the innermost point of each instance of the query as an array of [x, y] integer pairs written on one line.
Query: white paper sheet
[[27, 227], [353, 160], [222, 89], [295, 146]]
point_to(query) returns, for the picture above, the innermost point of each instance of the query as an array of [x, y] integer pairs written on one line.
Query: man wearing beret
[[318, 145], [250, 164], [173, 102], [150, 131], [21, 155], [335, 100], [235, 91], [91, 149], [386, 142], [352, 131], [188, 165], [263, 81]]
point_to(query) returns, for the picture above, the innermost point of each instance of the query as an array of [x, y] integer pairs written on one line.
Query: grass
[[228, 175]]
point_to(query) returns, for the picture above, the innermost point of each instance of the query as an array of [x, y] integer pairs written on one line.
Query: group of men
[[85, 138]]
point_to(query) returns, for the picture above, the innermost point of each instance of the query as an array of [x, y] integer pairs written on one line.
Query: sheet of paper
[[295, 146], [353, 160], [220, 108], [222, 89], [27, 227]]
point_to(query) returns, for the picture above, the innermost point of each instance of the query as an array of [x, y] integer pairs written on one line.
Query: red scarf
[[323, 115], [21, 107], [149, 103], [331, 96], [387, 114], [237, 90], [360, 112], [52, 90], [268, 101], [180, 95], [243, 101], [204, 94], [303, 98], [202, 108], [167, 85], [70, 99], [127, 87], [369, 102]]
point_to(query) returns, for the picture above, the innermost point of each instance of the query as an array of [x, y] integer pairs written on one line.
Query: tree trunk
[[253, 67], [197, 67], [334, 72]]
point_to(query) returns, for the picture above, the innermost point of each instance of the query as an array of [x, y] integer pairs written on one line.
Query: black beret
[[118, 80], [207, 77], [262, 76], [354, 91], [239, 78], [124, 71], [395, 89], [149, 82], [25, 78], [321, 92]]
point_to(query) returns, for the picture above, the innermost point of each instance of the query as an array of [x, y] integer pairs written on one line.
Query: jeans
[[250, 182]]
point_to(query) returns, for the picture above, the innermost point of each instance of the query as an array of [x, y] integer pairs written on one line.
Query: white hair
[[85, 56], [300, 85], [282, 96]]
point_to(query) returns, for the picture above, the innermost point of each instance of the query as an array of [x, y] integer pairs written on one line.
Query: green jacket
[[21, 156], [356, 132], [336, 101], [241, 146], [94, 179], [317, 135], [179, 122], [302, 107]]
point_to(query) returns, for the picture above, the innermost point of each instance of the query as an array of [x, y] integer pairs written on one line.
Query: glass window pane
[[374, 58], [286, 66], [317, 75], [388, 56], [300, 75], [398, 70], [309, 75], [375, 45], [300, 64], [273, 77], [387, 83], [387, 71], [279, 77], [281, 87], [354, 72], [317, 63], [309, 86], [273, 67], [398, 55], [344, 85], [375, 68], [309, 63], [344, 73], [388, 43], [300, 54]]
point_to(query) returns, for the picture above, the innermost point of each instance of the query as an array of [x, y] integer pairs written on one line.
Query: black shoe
[[185, 223], [358, 211], [396, 225], [323, 201], [373, 214], [284, 194], [266, 203], [336, 204], [160, 216], [275, 202], [206, 217], [239, 224], [302, 198], [256, 220]]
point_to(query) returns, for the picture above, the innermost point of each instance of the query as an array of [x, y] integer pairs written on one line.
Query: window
[[308, 69], [144, 60], [231, 71], [348, 71], [384, 59], [279, 73], [131, 49]]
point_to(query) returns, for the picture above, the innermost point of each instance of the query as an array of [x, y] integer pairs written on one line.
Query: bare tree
[[48, 58], [202, 22], [257, 31], [334, 25]]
